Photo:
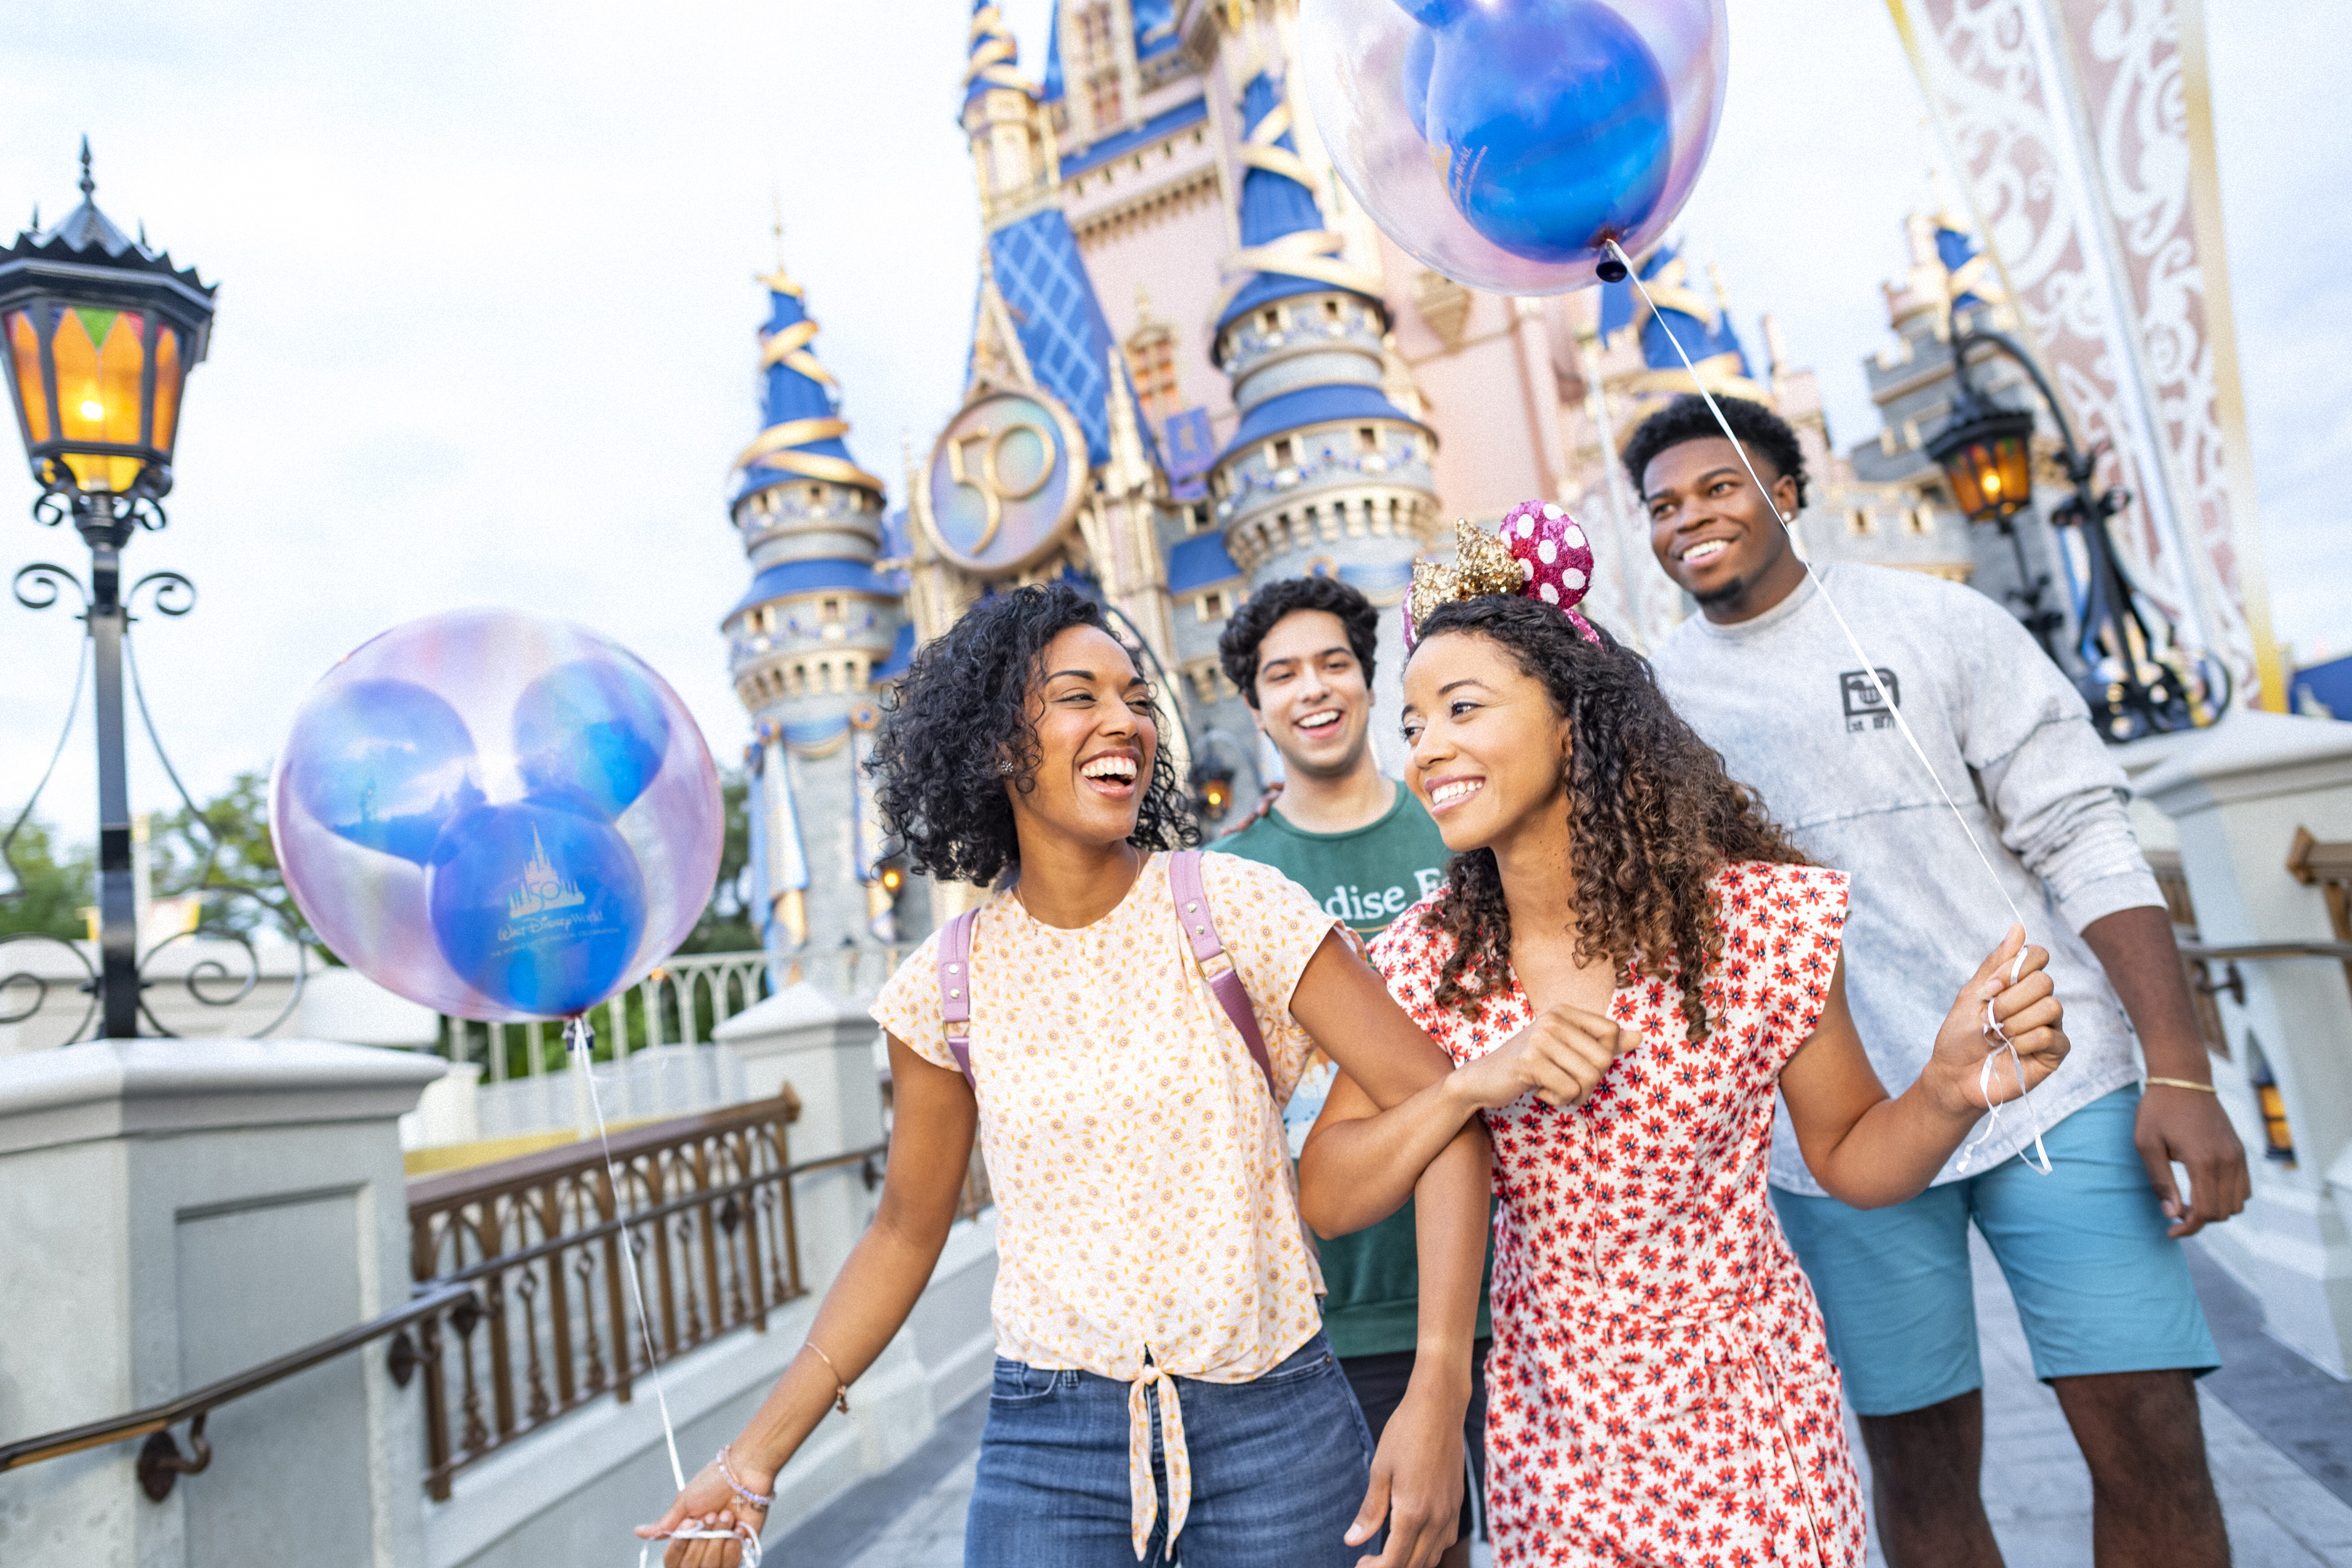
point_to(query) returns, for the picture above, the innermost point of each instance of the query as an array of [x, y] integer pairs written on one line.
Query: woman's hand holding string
[[2005, 1004], [708, 1503]]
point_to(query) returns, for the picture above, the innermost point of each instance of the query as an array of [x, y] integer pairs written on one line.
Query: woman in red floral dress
[[1626, 960]]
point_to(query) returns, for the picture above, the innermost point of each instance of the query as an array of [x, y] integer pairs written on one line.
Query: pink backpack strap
[[1199, 925], [955, 989]]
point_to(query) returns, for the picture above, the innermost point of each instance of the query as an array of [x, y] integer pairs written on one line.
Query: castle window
[[1331, 309], [828, 609], [1367, 438], [1923, 520], [1151, 361], [1213, 607], [1270, 321], [1096, 58], [1282, 453], [1859, 521]]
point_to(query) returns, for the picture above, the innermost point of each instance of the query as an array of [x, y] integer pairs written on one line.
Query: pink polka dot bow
[[1552, 552], [1539, 553]]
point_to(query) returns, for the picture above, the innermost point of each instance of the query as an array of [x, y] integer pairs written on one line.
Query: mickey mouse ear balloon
[[1505, 142], [496, 814]]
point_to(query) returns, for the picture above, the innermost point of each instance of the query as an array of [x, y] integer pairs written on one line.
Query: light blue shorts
[[2099, 1287]]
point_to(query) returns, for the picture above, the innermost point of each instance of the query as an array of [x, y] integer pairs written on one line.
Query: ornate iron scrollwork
[[174, 595], [40, 984], [44, 576]]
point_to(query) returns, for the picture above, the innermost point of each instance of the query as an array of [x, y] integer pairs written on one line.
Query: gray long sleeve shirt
[[1785, 701]]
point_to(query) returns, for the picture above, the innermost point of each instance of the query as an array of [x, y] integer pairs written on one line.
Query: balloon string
[[1869, 669], [579, 1036]]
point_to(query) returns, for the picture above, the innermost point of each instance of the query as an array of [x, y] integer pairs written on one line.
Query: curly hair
[[962, 710], [1237, 644], [1687, 418], [1651, 812]]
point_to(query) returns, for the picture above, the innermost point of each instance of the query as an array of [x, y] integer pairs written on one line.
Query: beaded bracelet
[[2183, 1083], [738, 1488]]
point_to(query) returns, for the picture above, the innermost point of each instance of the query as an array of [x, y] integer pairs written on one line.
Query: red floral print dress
[[1660, 1390]]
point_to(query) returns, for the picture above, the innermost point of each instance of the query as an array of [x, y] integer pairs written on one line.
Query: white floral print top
[[1148, 1219]]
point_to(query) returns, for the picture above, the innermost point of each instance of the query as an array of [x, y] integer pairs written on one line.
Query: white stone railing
[[655, 1055]]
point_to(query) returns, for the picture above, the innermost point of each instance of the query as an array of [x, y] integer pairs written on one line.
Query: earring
[[1004, 767]]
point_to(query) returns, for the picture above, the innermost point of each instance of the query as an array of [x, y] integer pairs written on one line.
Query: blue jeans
[[1280, 1466]]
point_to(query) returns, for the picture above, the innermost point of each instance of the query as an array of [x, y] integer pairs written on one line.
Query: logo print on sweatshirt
[[1863, 711]]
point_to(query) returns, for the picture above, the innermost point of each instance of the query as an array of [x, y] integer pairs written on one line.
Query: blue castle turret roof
[[1972, 281], [1702, 325], [994, 55], [801, 430], [1277, 202]]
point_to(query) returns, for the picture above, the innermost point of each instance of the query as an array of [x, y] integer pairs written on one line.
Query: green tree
[[39, 892], [224, 850]]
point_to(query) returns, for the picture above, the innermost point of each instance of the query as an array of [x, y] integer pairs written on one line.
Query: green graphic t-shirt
[[1366, 876]]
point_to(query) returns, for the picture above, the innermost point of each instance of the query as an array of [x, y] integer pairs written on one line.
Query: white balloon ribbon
[[578, 1036], [1887, 699]]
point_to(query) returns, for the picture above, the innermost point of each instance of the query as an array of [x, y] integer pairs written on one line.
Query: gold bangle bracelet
[[2182, 1083], [841, 1389]]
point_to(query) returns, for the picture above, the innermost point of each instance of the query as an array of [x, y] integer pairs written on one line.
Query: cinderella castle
[[1196, 367]]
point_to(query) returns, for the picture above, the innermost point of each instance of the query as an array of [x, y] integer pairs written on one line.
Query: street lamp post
[[99, 333], [2137, 683]]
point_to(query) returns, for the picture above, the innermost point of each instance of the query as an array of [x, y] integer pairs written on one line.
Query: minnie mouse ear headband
[[1539, 553]]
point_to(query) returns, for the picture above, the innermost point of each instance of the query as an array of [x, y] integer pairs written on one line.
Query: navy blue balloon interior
[[536, 905], [1554, 117], [591, 732], [385, 765]]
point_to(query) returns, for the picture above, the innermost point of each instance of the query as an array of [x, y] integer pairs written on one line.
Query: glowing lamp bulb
[[92, 409], [1992, 485]]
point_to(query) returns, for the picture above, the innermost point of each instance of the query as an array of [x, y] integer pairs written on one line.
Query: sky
[[487, 317]]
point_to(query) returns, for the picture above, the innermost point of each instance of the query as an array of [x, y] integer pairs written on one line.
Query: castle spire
[[995, 55], [1285, 249], [802, 431]]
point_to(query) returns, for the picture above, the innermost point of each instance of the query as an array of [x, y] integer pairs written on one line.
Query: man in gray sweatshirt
[[2090, 1250]]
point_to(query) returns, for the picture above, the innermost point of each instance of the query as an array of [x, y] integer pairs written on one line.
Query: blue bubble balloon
[[593, 730], [536, 906], [384, 763], [1507, 142], [530, 871], [1572, 148]]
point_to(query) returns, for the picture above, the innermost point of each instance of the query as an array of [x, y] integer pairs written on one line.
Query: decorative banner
[[1191, 444], [2083, 130], [1004, 482]]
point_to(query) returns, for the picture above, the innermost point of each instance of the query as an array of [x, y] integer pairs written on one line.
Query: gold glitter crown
[[1482, 563]]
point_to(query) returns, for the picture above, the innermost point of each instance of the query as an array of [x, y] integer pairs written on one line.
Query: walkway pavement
[[2279, 1432]]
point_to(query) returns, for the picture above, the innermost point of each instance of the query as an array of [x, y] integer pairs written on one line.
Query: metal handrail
[[2255, 951], [161, 1461], [2227, 956]]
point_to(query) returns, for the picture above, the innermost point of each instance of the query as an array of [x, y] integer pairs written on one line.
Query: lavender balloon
[[1505, 142], [498, 816]]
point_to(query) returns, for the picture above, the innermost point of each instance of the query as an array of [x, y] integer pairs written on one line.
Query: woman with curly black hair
[[1120, 1021], [1659, 1389]]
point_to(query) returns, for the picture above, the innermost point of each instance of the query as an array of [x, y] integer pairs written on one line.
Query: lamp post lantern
[[99, 332], [2137, 682]]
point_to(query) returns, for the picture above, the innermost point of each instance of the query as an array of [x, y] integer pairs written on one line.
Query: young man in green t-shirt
[[1300, 651]]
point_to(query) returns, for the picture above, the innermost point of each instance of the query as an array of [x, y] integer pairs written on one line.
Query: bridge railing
[[704, 1204]]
